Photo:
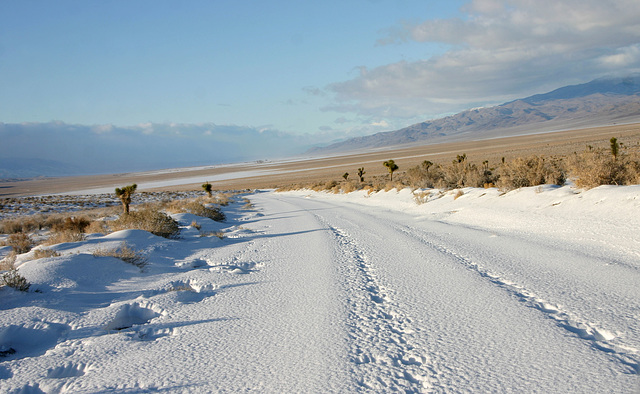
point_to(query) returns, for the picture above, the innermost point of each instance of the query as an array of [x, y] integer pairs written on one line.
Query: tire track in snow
[[599, 338], [383, 352]]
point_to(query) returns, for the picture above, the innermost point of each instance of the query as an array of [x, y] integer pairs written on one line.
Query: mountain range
[[601, 102]]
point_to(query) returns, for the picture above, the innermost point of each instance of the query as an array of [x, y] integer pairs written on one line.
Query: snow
[[535, 290]]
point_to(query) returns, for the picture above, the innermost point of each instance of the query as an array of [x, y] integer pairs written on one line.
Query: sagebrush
[[125, 253], [148, 219]]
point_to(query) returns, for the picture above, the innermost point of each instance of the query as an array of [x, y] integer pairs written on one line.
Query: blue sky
[[324, 70], [257, 63]]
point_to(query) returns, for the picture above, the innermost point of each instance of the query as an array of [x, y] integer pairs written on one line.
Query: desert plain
[[266, 174]]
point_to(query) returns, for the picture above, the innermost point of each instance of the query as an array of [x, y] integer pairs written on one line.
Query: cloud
[[498, 50], [111, 149]]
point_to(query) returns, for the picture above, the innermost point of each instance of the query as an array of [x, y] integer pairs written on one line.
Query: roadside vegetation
[[614, 164], [35, 233]]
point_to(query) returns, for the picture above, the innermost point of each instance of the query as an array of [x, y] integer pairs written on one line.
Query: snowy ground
[[536, 290]]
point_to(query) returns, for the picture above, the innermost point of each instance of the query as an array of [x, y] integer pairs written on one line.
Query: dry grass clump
[[76, 224], [43, 253], [7, 263], [148, 219], [124, 253], [219, 234], [97, 227], [20, 242], [64, 237], [247, 204], [595, 167], [67, 229], [222, 199], [531, 171], [22, 224], [196, 208]]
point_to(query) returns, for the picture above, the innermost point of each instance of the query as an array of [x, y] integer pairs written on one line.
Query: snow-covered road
[[431, 305], [312, 292]]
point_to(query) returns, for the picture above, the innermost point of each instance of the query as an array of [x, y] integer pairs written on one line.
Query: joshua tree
[[391, 166], [361, 173], [345, 175], [461, 158], [124, 195], [426, 165], [615, 147], [207, 188]]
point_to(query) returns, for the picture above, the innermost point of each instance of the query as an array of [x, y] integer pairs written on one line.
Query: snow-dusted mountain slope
[[535, 290]]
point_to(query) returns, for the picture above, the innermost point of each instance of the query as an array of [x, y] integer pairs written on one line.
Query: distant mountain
[[601, 102]]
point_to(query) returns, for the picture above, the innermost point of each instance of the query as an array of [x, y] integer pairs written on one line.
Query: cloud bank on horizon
[[271, 79], [57, 148]]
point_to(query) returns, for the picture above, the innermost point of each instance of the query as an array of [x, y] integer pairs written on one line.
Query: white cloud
[[498, 50], [625, 57], [110, 149]]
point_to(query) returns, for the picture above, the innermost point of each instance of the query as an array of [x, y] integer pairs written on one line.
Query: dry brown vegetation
[[591, 168], [595, 167], [149, 219], [20, 242], [124, 253], [42, 253], [198, 207]]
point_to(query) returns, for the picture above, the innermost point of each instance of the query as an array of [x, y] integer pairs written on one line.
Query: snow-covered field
[[536, 290]]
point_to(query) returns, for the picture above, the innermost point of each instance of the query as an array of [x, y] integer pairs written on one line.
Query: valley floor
[[536, 290]]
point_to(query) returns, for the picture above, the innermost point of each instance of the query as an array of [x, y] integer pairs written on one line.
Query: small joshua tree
[[426, 165], [615, 147], [345, 175], [391, 166], [361, 173], [207, 188], [124, 195]]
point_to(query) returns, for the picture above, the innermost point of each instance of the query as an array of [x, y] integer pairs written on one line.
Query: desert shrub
[[460, 173], [97, 227], [196, 208], [12, 278], [531, 171], [148, 219], [42, 253], [59, 237], [595, 167], [222, 199], [77, 224], [25, 224], [7, 263], [20, 242], [124, 253], [425, 175], [329, 185], [350, 186], [11, 226]]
